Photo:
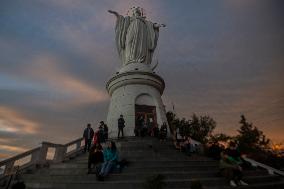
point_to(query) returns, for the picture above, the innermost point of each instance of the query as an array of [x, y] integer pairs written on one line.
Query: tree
[[220, 137], [198, 127], [201, 127], [250, 138]]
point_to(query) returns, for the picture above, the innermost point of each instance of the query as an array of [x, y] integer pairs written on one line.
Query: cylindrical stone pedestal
[[129, 89]]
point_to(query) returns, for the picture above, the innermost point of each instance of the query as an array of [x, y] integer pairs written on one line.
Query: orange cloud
[[74, 91], [4, 156], [12, 121], [13, 149]]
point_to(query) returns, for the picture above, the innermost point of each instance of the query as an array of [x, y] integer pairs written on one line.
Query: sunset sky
[[221, 58]]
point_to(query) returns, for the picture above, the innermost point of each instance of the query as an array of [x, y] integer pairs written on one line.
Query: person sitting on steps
[[230, 165], [110, 160], [96, 157], [186, 146]]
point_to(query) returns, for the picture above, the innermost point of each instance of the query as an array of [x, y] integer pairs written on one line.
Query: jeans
[[232, 174], [188, 149], [106, 168], [88, 143]]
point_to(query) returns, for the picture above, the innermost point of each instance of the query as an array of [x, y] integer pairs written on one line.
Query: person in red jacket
[[96, 157]]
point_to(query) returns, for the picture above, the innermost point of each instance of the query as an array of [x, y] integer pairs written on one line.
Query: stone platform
[[130, 88], [148, 157]]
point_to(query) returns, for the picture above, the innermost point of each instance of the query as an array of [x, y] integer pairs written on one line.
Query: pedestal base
[[130, 89]]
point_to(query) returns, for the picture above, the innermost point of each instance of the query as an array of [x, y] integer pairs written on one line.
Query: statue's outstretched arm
[[113, 12], [156, 25]]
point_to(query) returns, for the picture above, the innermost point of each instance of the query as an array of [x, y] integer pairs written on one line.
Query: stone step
[[269, 185], [144, 141], [138, 168], [147, 157], [157, 157], [83, 164], [148, 153], [127, 171], [132, 171], [117, 177], [274, 185], [131, 176], [151, 153], [138, 145], [152, 157], [170, 183], [139, 139], [146, 150]]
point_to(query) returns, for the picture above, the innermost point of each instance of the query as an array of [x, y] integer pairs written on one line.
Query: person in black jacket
[[121, 125], [105, 131], [88, 136], [101, 133]]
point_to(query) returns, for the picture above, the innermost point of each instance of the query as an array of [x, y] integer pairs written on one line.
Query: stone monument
[[135, 90]]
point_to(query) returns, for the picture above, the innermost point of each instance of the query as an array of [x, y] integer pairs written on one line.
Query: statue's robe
[[136, 39]]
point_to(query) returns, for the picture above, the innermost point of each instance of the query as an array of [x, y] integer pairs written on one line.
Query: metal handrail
[[271, 170]]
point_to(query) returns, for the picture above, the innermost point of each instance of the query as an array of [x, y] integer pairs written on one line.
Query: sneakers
[[100, 178], [242, 183], [232, 183]]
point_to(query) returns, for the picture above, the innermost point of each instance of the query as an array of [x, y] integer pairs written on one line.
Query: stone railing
[[270, 170], [48, 153]]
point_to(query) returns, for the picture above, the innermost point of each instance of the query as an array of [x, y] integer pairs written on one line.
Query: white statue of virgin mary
[[136, 38]]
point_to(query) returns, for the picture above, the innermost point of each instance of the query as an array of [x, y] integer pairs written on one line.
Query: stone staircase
[[148, 157]]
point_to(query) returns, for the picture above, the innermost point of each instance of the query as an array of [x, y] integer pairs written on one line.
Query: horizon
[[222, 59]]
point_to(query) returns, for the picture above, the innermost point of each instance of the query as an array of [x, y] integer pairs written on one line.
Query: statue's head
[[137, 11]]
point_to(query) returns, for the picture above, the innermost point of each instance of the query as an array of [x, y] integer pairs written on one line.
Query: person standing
[[139, 126], [101, 132], [88, 136], [163, 132], [121, 125], [105, 131]]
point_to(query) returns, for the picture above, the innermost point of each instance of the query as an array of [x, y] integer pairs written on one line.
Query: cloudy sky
[[222, 58]]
